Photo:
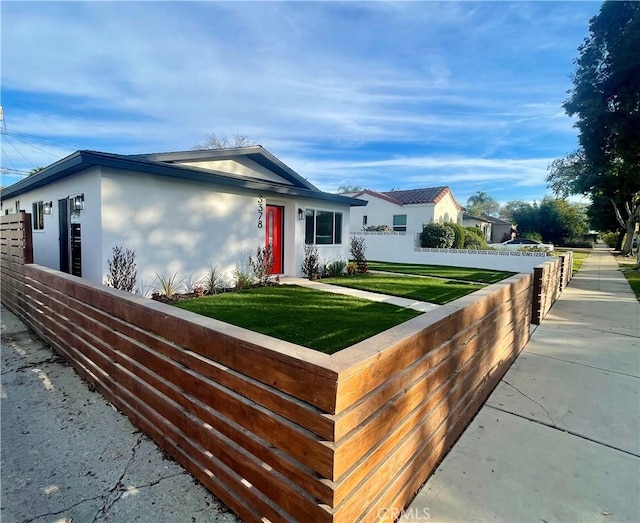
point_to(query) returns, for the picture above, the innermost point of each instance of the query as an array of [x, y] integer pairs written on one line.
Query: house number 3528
[[260, 211]]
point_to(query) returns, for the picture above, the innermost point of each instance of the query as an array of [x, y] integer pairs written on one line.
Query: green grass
[[627, 266], [318, 320], [416, 288], [442, 271]]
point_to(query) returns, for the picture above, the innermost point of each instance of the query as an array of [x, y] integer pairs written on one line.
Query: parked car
[[522, 243]]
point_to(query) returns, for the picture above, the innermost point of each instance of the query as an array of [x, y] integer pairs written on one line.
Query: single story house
[[180, 212], [405, 210], [495, 230], [468, 220]]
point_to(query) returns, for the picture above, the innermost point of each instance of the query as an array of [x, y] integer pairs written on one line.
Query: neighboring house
[[501, 230], [180, 212], [494, 229], [483, 224], [406, 210]]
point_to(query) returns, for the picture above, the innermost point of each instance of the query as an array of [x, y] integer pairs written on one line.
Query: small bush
[[262, 265], [610, 238], [474, 238], [243, 276], [213, 280], [169, 284], [351, 268], [335, 268], [311, 262], [358, 247], [122, 269], [436, 236], [458, 231]]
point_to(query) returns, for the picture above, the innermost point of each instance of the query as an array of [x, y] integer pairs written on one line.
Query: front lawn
[[442, 271], [413, 287], [319, 320]]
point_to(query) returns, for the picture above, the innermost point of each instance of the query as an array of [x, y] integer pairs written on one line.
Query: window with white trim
[[38, 216], [400, 222], [323, 227]]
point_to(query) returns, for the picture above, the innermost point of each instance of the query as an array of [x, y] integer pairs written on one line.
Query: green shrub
[[169, 284], [335, 268], [243, 276], [610, 238], [474, 238], [213, 280], [436, 236], [458, 231]]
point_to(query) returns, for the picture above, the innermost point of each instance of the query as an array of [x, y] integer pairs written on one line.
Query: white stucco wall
[[179, 226], [400, 248], [176, 226], [380, 212], [46, 247], [446, 210]]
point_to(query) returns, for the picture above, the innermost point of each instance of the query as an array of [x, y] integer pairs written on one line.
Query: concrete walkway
[[559, 438], [420, 306]]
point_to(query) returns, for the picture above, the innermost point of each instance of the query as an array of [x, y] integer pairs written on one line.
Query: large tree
[[554, 220], [481, 203], [605, 100]]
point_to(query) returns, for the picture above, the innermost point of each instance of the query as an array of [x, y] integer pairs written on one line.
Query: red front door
[[273, 236]]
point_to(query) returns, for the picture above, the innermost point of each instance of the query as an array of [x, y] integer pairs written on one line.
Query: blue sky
[[376, 94]]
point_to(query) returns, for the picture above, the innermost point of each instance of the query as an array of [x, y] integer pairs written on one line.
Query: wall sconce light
[[47, 207], [77, 202], [300, 214]]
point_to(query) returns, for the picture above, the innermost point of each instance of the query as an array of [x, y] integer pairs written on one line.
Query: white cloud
[[456, 87]]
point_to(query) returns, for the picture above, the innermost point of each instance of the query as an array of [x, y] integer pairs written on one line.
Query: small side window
[[38, 216]]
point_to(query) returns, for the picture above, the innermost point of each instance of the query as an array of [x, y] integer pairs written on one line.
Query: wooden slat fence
[[278, 431], [16, 241]]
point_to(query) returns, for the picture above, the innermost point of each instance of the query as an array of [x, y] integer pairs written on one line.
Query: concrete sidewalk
[[68, 455], [559, 438]]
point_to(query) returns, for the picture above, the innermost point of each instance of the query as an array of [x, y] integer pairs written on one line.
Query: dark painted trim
[[81, 160]]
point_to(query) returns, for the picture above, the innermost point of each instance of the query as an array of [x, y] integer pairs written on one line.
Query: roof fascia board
[[84, 159]]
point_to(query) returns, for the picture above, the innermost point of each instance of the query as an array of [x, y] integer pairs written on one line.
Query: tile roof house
[[405, 210], [179, 211]]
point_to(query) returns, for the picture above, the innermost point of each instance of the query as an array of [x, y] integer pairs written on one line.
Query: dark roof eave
[[82, 159]]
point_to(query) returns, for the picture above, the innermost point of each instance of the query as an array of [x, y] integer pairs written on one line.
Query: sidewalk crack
[[532, 400], [63, 510], [111, 499]]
